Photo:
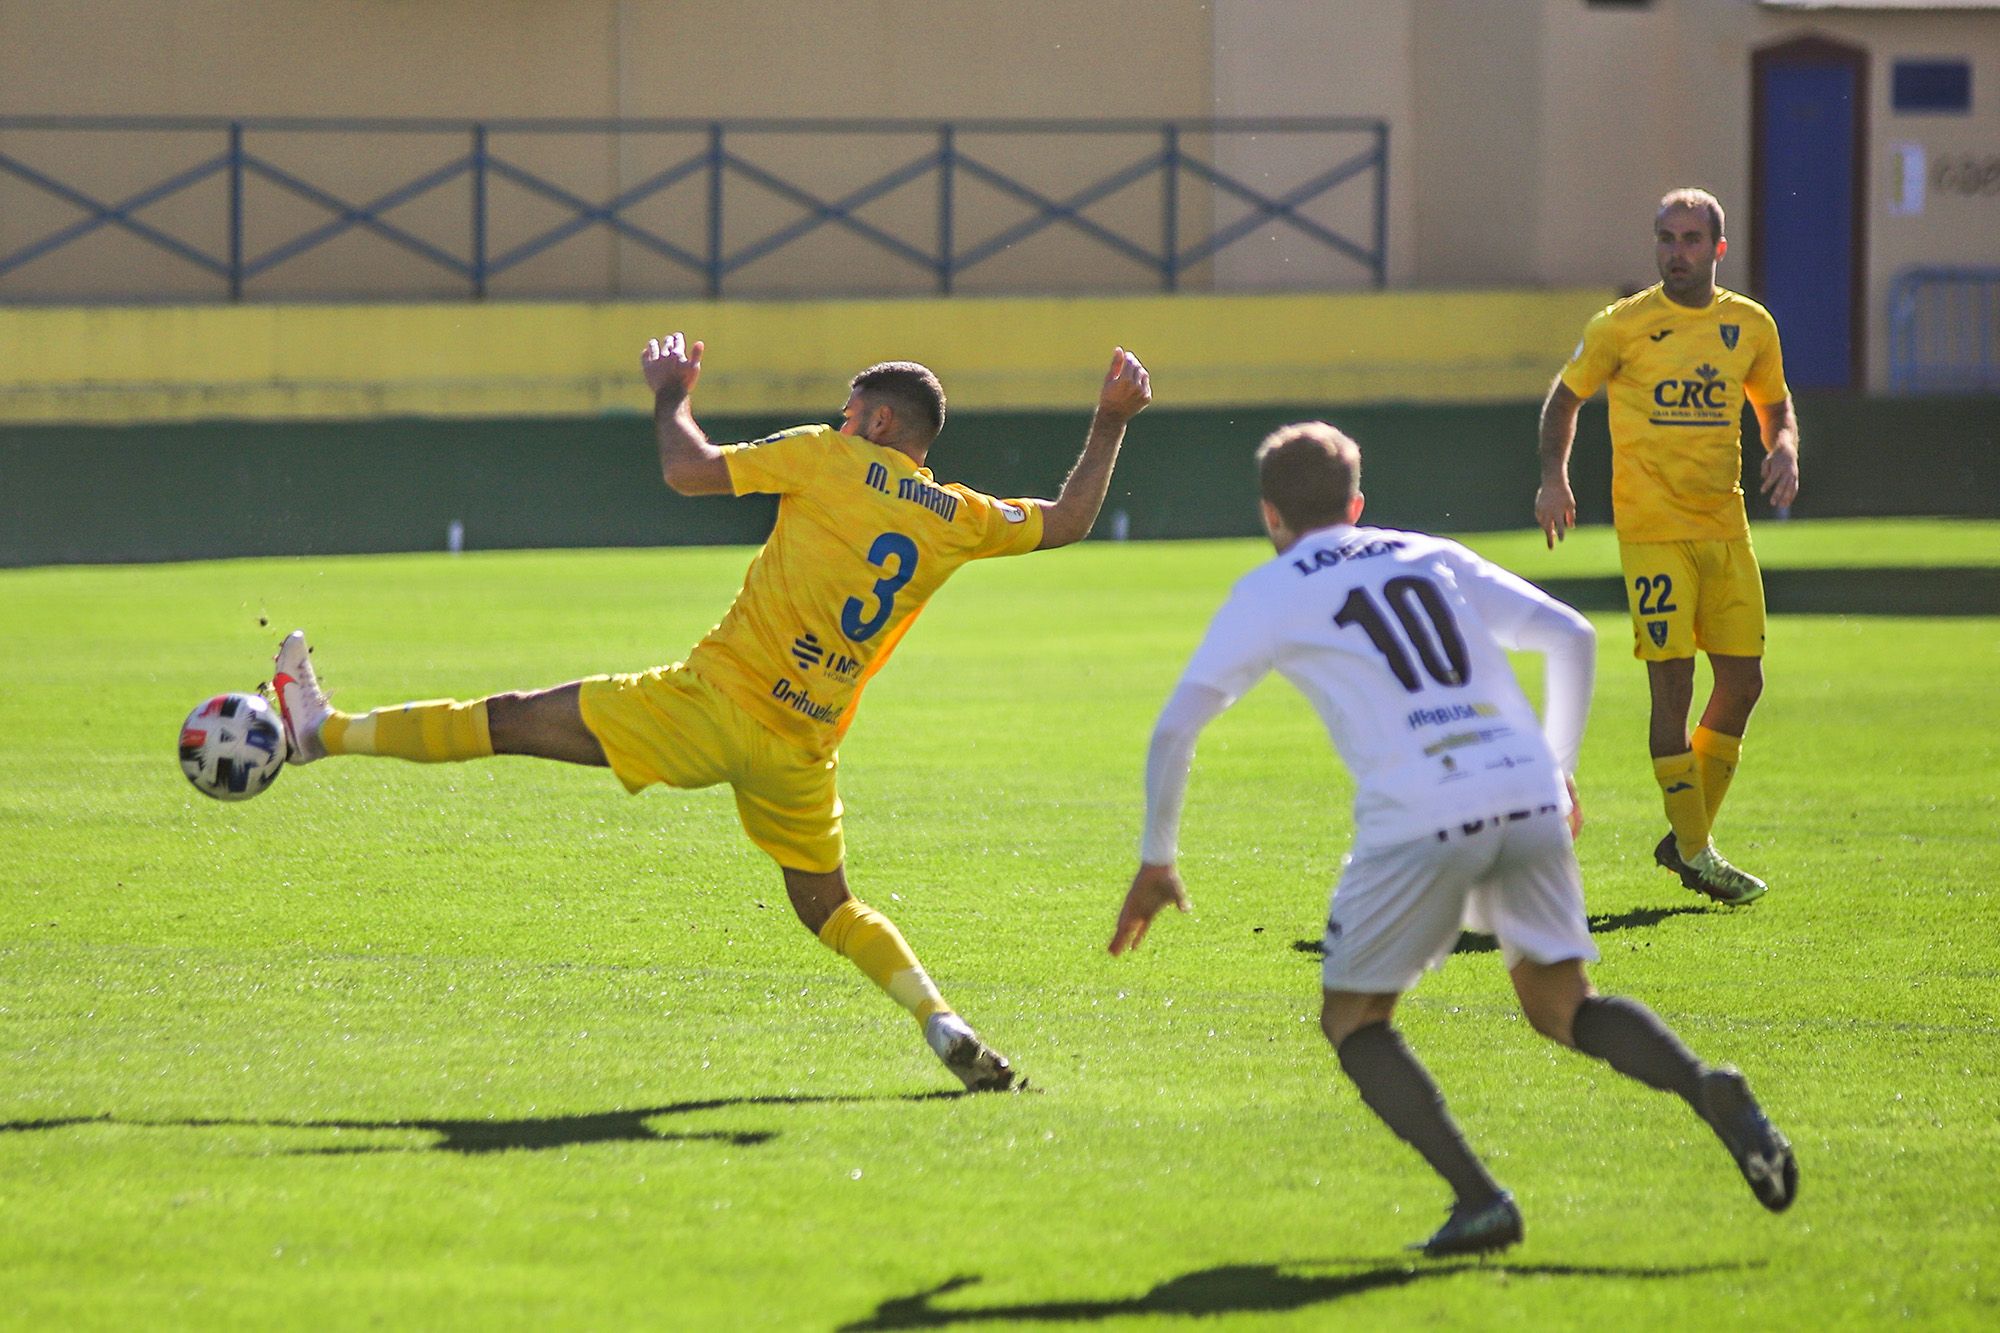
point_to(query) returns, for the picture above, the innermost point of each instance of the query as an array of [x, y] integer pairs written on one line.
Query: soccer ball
[[232, 747]]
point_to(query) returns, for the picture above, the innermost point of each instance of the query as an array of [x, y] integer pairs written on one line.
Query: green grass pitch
[[497, 1046]]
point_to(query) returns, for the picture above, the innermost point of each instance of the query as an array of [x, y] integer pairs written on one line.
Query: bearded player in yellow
[[864, 536], [1679, 360]]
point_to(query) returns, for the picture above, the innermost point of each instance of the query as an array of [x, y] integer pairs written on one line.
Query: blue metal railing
[[1344, 152], [1944, 330]]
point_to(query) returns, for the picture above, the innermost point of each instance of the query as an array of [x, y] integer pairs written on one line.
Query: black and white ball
[[232, 747]]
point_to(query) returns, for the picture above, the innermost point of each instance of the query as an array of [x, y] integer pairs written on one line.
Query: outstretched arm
[[690, 464], [1555, 503], [1125, 392], [1779, 425], [1168, 759]]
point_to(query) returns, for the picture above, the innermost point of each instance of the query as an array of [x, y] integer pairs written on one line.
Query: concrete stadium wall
[[72, 494]]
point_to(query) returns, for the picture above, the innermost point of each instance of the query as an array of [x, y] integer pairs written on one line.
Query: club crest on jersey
[[1658, 630], [1730, 333]]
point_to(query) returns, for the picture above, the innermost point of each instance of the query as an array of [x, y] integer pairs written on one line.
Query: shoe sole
[[280, 681], [1765, 1155]]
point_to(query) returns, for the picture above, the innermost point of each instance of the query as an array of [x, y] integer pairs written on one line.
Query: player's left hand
[[1152, 888], [1575, 809], [1127, 388], [1781, 476]]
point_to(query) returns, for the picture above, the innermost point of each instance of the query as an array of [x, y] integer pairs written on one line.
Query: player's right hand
[[1127, 387], [1555, 510], [1152, 888], [671, 362]]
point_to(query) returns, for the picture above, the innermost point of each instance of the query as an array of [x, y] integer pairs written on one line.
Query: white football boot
[[301, 702], [978, 1066]]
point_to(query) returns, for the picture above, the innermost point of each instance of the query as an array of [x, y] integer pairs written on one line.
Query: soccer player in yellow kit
[[1679, 360], [864, 536]]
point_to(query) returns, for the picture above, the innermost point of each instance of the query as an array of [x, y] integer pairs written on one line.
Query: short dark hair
[[904, 384], [1699, 200], [1310, 473]]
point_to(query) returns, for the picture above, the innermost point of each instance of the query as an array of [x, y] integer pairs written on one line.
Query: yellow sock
[[1679, 776], [1719, 753], [435, 731], [872, 943]]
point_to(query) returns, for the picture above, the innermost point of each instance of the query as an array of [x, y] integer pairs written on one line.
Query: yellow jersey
[[1678, 378], [864, 537]]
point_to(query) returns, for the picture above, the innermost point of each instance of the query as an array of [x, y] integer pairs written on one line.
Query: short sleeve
[[1239, 649], [778, 464], [1595, 359], [1764, 382], [1000, 527]]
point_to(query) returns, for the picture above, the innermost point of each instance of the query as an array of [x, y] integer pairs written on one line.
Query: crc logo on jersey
[[1730, 333], [1709, 392], [1657, 631]]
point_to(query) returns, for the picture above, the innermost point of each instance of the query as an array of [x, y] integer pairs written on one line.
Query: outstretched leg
[[547, 724], [872, 943], [1397, 1088], [1632, 1039]]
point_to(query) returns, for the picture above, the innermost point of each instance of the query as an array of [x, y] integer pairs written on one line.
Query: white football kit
[[1398, 640]]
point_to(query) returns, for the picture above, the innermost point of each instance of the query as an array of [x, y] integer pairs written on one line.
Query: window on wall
[[1931, 87]]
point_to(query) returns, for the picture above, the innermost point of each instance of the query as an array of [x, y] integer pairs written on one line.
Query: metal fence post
[[946, 148], [715, 210], [236, 210], [479, 212], [1381, 256]]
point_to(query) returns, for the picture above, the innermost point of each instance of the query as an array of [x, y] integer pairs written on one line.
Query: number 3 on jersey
[[890, 546]]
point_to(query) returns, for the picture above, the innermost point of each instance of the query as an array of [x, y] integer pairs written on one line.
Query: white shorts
[[1398, 909]]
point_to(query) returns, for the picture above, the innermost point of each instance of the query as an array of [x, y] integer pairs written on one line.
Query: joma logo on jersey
[[1711, 391]]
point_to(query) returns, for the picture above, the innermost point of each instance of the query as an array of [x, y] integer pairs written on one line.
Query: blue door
[[1807, 247]]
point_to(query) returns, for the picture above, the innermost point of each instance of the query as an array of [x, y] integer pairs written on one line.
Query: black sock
[[1631, 1039], [1397, 1087]]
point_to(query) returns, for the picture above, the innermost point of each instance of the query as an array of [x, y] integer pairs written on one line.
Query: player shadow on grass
[[1241, 1289], [1601, 923], [524, 1135]]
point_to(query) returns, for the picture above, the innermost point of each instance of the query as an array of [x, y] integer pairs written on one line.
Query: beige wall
[[957, 59], [1528, 138]]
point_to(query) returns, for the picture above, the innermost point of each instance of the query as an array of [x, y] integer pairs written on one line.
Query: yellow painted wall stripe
[[178, 363]]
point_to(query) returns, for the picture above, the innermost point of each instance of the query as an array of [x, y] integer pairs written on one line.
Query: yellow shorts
[[669, 725], [1706, 595]]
